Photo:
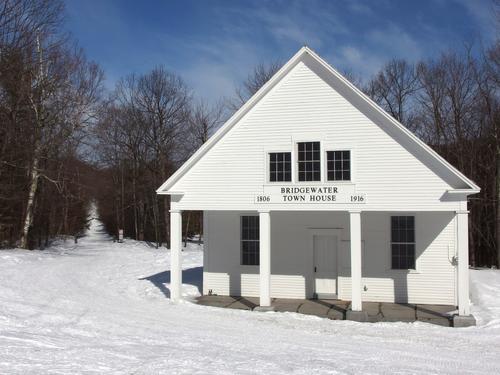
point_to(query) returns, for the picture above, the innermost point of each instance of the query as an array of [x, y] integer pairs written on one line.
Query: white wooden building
[[311, 190]]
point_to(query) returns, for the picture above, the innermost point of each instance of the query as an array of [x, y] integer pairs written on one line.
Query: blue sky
[[214, 44]]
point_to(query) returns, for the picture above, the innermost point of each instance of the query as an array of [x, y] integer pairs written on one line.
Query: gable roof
[[472, 188]]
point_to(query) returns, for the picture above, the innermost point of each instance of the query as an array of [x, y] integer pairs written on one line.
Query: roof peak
[[282, 72]]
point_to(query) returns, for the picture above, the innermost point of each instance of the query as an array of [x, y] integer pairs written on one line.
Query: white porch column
[[175, 255], [265, 258], [355, 228], [463, 262]]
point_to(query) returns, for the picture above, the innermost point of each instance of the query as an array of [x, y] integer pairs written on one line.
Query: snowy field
[[101, 307]]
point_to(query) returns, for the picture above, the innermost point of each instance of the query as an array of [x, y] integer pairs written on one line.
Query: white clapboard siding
[[304, 106], [292, 263]]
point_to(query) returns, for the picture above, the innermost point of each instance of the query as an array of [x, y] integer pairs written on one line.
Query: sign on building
[[345, 194]]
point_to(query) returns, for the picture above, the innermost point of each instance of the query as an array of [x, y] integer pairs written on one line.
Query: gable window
[[250, 240], [403, 242], [338, 165], [280, 166], [309, 161]]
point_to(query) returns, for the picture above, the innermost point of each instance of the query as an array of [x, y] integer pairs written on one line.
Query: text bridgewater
[[310, 190], [324, 194]]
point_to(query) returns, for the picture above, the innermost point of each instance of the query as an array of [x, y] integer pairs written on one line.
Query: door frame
[[336, 232]]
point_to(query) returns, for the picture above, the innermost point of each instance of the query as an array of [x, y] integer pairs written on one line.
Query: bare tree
[[353, 77], [452, 103], [64, 90], [255, 80], [432, 99], [24, 25], [490, 87], [204, 119], [393, 88], [144, 138], [164, 99], [48, 95], [23, 21]]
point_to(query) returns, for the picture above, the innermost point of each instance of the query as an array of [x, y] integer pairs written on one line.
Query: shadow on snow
[[192, 276]]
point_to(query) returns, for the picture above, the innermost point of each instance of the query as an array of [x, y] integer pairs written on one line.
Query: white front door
[[325, 265]]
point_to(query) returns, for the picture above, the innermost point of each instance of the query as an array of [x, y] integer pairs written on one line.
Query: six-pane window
[[250, 240], [309, 161], [403, 242], [338, 165], [280, 166]]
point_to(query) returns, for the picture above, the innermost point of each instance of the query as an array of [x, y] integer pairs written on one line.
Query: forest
[[67, 142]]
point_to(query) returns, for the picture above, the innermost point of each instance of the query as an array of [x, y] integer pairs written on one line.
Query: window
[[250, 240], [338, 165], [309, 161], [403, 242], [280, 166]]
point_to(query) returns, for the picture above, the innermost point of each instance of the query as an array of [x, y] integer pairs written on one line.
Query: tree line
[[150, 125], [452, 103], [66, 143], [49, 94]]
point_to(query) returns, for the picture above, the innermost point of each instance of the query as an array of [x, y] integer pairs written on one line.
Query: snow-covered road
[[101, 307]]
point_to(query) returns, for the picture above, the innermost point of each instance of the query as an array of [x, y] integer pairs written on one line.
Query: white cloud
[[360, 7], [395, 42], [353, 60], [218, 64], [294, 22], [351, 54], [213, 63], [485, 16], [374, 49], [214, 68], [209, 80]]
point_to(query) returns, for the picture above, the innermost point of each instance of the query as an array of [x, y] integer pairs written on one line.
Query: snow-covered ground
[[101, 307]]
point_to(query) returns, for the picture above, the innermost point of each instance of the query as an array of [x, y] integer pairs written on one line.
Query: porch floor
[[336, 309]]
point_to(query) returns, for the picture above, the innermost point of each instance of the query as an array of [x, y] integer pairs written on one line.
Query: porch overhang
[[465, 192], [160, 192]]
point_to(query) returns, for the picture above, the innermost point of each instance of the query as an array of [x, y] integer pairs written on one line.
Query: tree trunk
[[117, 215], [65, 216], [157, 204], [156, 221], [472, 243], [134, 197], [28, 219], [498, 205], [166, 212], [201, 235], [187, 228], [142, 215]]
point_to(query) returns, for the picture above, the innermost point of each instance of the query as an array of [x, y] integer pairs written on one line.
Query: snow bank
[[485, 296], [102, 307]]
